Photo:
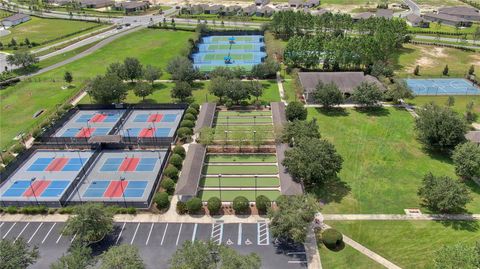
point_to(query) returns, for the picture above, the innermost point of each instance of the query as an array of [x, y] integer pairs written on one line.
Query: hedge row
[[35, 210]]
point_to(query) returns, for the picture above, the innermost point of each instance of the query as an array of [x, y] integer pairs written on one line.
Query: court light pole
[[256, 177], [122, 179], [254, 120], [33, 191]]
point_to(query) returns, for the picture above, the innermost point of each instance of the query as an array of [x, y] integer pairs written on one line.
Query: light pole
[[256, 177], [122, 179], [226, 138], [254, 137], [254, 120], [33, 191], [220, 185]]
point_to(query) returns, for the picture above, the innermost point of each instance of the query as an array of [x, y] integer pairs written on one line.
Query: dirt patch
[[476, 59], [428, 57]]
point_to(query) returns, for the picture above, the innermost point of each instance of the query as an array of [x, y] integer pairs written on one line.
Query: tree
[[68, 77], [218, 87], [399, 90], [90, 223], [143, 90], [460, 255], [194, 205], [117, 69], [416, 71], [466, 158], [206, 136], [450, 101], [313, 161], [240, 204], [445, 70], [439, 128], [328, 95], [182, 69], [255, 89], [296, 130], [293, 216], [471, 70], [108, 89], [122, 257], [152, 73], [182, 91], [161, 200], [214, 204], [78, 257], [23, 59], [224, 72], [295, 111], [262, 203], [133, 68], [443, 194], [237, 91], [367, 94], [16, 254], [206, 255], [265, 70]]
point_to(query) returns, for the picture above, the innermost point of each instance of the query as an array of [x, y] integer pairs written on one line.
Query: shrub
[[2, 168], [192, 111], [296, 111], [131, 210], [52, 210], [32, 210], [263, 203], [7, 157], [66, 210], [189, 116], [195, 106], [161, 200], [194, 205], [176, 160], [18, 148], [36, 132], [171, 172], [179, 150], [11, 210], [181, 208], [184, 132], [240, 204], [214, 204], [168, 185], [187, 123], [332, 239]]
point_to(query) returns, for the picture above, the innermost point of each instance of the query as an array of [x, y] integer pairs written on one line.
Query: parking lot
[[158, 241]]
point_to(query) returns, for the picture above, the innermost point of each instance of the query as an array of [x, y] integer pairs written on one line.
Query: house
[[384, 13], [447, 19], [215, 9], [132, 6], [311, 3], [265, 11], [59, 2], [303, 3], [473, 136], [295, 3], [468, 13], [261, 2], [318, 12], [96, 3], [417, 21], [363, 16], [197, 9], [249, 10], [15, 19], [345, 81], [232, 10]]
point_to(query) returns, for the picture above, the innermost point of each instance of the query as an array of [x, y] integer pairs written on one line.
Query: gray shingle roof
[[461, 10], [205, 117], [192, 170], [445, 17], [345, 81], [473, 136], [16, 17]]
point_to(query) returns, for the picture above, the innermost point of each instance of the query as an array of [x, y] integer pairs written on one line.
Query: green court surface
[[207, 68], [252, 120], [226, 38], [230, 195], [240, 182], [240, 169], [231, 127], [243, 113], [234, 57], [232, 47], [246, 158], [245, 134]]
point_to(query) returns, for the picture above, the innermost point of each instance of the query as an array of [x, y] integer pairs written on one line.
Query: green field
[[240, 182], [459, 106], [244, 158], [240, 169], [383, 162], [41, 30], [408, 244], [239, 113], [231, 47], [235, 57], [345, 258], [230, 195]]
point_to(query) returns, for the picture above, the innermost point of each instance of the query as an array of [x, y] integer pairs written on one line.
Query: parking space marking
[[217, 233], [5, 235], [149, 233], [263, 235], [21, 232], [120, 234], [51, 228], [73, 238], [179, 232], [239, 240], [34, 233], [164, 233], [2, 224], [135, 233], [194, 232], [58, 239]]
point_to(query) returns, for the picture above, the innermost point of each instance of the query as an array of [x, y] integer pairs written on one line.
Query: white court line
[[239, 241], [18, 236], [194, 232], [34, 233], [45, 238], [149, 233], [5, 235], [135, 233], [164, 233], [73, 238], [120, 234], [179, 232]]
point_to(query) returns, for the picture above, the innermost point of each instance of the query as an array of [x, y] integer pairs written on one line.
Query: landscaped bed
[[239, 182], [230, 195], [240, 169]]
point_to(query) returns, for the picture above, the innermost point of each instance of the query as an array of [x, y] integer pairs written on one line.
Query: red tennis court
[[147, 132], [129, 164], [57, 164], [115, 189], [85, 132], [98, 118], [155, 118], [37, 188]]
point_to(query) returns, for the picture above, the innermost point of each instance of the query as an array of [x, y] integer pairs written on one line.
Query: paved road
[[414, 8], [158, 241]]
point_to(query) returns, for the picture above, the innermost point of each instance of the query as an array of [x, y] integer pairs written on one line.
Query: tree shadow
[[333, 112], [464, 225], [378, 111], [332, 190], [437, 155], [159, 86], [395, 59], [26, 70]]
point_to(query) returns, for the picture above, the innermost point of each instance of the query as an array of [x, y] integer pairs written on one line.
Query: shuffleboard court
[[240, 182], [251, 158], [240, 169], [442, 86]]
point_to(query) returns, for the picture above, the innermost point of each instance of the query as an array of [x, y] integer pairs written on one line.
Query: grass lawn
[[230, 195], [459, 106], [40, 30], [244, 158], [432, 61], [444, 28], [345, 259], [240, 169], [240, 182], [408, 244], [21, 101], [383, 162]]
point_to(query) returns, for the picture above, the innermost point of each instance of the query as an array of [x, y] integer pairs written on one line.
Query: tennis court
[[151, 123], [88, 123], [442, 86]]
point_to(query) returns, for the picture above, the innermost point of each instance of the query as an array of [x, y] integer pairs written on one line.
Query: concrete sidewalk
[[347, 217]]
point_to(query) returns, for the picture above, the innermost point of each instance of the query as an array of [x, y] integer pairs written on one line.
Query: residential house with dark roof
[[261, 2], [265, 11], [96, 3], [15, 19], [295, 3], [447, 19], [249, 10], [468, 13], [132, 6], [215, 9], [417, 21], [384, 13], [303, 3]]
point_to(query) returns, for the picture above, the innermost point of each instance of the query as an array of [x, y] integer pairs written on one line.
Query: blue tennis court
[[79, 132], [57, 164], [442, 86], [115, 189], [38, 188]]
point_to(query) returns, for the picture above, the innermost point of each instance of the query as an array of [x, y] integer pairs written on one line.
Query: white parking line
[[18, 236], [58, 239], [120, 234], [217, 233], [164, 233], [194, 232], [239, 241], [297, 261], [135, 233], [179, 232], [5, 235], [2, 224], [149, 233], [73, 238], [34, 233], [45, 238]]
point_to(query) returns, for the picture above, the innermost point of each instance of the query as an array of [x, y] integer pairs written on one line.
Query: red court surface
[[57, 164], [129, 164], [147, 132], [155, 118], [98, 118], [37, 188], [115, 189], [85, 132]]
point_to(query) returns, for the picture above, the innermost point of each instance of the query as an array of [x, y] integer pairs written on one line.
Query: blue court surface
[[442, 86]]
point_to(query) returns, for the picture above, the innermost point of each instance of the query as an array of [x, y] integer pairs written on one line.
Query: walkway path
[[311, 249], [435, 217], [280, 87]]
